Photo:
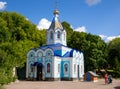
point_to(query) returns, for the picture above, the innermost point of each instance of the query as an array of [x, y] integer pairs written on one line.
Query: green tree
[[17, 36], [114, 50], [114, 56], [5, 68], [93, 48]]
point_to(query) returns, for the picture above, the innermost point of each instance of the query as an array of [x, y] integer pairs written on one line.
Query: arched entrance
[[39, 71]]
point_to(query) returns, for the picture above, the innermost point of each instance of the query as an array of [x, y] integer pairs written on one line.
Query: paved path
[[63, 85]]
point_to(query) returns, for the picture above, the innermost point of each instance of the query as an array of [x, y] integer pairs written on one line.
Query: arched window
[[58, 34], [39, 54], [66, 68], [48, 67], [51, 35], [31, 55], [48, 54]]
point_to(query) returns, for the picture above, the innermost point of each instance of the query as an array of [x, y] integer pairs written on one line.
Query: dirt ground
[[63, 85]]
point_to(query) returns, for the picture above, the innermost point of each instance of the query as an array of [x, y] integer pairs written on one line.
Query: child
[[106, 78]]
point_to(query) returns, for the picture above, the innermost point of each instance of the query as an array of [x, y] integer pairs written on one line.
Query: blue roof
[[52, 46], [67, 54]]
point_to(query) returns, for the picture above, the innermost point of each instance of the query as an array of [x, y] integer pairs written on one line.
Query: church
[[55, 61]]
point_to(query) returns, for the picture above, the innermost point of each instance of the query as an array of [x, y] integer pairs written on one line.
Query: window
[[39, 54], [74, 68], [58, 68], [49, 53], [31, 56], [48, 67], [66, 68], [51, 35], [58, 34]]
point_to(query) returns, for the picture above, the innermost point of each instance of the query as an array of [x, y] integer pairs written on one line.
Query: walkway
[[63, 85]]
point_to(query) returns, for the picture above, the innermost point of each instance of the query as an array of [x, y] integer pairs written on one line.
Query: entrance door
[[39, 71]]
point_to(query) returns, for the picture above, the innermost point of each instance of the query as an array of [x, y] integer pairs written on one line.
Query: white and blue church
[[55, 61]]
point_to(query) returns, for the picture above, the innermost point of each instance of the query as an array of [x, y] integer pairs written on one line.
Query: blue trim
[[59, 52], [39, 59], [63, 74]]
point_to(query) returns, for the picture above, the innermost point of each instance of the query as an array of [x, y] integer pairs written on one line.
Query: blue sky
[[100, 17]]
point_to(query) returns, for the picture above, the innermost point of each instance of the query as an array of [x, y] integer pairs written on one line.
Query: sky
[[99, 17]]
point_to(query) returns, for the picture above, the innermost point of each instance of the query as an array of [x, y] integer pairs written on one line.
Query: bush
[[15, 78], [115, 74], [6, 75], [1, 87]]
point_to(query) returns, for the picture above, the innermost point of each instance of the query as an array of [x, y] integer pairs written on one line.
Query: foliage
[[114, 56], [93, 48], [114, 51], [5, 68], [17, 37]]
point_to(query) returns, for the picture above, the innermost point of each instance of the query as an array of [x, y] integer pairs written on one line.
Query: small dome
[[56, 12]]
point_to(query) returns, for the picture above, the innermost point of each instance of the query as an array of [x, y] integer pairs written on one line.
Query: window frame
[[48, 68], [58, 34]]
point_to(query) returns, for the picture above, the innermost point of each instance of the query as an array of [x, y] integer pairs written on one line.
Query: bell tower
[[56, 33]]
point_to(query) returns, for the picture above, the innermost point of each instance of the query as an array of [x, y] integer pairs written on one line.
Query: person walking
[[106, 78]]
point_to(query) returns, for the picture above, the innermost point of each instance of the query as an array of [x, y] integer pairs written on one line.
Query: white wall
[[57, 60], [78, 60]]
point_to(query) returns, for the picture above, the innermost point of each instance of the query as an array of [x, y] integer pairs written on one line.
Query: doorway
[[39, 71], [78, 71]]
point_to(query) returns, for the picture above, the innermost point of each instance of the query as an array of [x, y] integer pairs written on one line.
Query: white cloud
[[103, 36], [2, 5], [107, 39], [43, 24], [92, 2], [110, 38], [27, 19], [80, 29]]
